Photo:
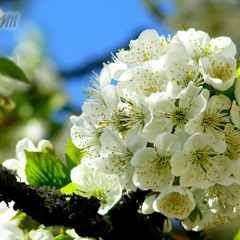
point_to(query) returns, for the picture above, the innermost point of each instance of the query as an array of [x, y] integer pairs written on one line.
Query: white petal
[[117, 69], [237, 90], [195, 177], [143, 155], [153, 129], [220, 167], [24, 144], [218, 140], [195, 42], [111, 97], [113, 197], [111, 142], [167, 144], [180, 162], [147, 206], [196, 142], [187, 96], [40, 235], [235, 114], [194, 125], [223, 46], [105, 76], [136, 143]]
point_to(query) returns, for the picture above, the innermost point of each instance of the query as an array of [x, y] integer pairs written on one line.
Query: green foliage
[[19, 215], [63, 237], [46, 169], [193, 215], [237, 236], [68, 189], [9, 69], [73, 155]]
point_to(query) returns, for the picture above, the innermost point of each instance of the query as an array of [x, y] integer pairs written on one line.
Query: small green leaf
[[9, 69], [46, 169], [237, 236], [63, 237], [237, 73], [68, 189], [193, 215], [73, 155], [18, 215]]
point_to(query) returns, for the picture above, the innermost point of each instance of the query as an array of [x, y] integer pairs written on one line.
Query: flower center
[[213, 121], [161, 161], [101, 195], [179, 117], [202, 156], [221, 72]]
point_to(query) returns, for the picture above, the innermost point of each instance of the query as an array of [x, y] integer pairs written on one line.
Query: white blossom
[[237, 90], [72, 233], [212, 121], [115, 156], [169, 126], [97, 83], [198, 44], [198, 165], [148, 46], [172, 114], [19, 163], [148, 78], [235, 114], [9, 228], [233, 141], [223, 197], [85, 135], [92, 182], [152, 166], [219, 72], [182, 69], [176, 202], [125, 113], [40, 234], [147, 206]]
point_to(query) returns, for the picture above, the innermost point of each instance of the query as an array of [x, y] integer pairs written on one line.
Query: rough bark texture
[[50, 207]]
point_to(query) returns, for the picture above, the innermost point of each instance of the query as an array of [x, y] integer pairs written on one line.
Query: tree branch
[[50, 207]]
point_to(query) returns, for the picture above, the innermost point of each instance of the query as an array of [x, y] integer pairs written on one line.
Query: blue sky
[[77, 31]]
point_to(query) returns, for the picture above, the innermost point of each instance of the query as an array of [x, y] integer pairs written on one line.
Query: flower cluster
[[168, 124]]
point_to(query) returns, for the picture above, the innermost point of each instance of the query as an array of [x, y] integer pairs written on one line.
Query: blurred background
[[59, 43]]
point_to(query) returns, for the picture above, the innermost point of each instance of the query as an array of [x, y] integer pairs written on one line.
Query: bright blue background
[[77, 31]]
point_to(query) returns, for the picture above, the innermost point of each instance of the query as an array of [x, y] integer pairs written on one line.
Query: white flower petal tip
[[46, 146], [167, 225], [147, 206]]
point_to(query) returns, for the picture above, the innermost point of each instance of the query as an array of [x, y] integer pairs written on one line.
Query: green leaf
[[68, 189], [18, 215], [237, 73], [237, 236], [63, 237], [193, 215], [46, 169], [9, 69], [73, 155]]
